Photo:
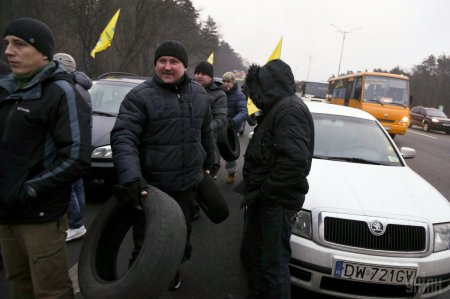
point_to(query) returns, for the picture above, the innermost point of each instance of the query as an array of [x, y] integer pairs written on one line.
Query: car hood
[[101, 127], [373, 190]]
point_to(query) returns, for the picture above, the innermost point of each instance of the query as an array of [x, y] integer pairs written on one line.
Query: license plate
[[375, 273], [388, 128]]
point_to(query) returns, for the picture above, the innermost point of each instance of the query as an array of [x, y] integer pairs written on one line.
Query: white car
[[370, 226]]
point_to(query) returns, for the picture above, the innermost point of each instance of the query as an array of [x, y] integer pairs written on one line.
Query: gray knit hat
[[172, 48], [33, 32], [66, 60]]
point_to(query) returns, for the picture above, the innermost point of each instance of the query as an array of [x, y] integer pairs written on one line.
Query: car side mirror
[[407, 152]]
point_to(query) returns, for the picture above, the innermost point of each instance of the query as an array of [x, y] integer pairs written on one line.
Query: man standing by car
[[277, 162], [237, 113], [45, 146], [204, 74], [166, 116]]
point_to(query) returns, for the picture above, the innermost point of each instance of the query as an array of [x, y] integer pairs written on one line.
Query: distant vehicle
[[312, 91], [429, 119], [384, 95], [107, 94], [370, 227]]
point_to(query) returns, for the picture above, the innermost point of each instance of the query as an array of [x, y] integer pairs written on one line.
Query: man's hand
[[135, 191]]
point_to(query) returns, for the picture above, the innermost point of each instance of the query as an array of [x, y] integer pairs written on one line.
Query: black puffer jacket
[[45, 145], [163, 134], [278, 157]]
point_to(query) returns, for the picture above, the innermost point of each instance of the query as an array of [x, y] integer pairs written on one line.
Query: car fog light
[[302, 225], [102, 152], [441, 237]]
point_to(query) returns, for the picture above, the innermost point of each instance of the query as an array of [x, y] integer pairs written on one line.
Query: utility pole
[[344, 33], [309, 66]]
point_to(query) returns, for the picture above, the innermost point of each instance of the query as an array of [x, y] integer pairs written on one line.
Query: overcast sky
[[389, 32]]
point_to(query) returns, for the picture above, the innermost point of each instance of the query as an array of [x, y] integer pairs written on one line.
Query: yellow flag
[[211, 58], [276, 54], [107, 35]]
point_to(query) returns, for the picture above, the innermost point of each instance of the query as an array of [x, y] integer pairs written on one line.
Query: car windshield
[[351, 139], [107, 96], [436, 113], [386, 90]]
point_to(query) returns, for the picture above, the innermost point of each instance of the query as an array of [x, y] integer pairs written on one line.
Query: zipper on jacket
[[7, 122]]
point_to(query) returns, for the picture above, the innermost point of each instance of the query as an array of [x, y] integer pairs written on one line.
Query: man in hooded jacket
[[277, 162]]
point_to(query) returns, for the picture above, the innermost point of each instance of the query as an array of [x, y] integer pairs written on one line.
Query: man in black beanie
[[163, 137], [45, 147], [204, 74]]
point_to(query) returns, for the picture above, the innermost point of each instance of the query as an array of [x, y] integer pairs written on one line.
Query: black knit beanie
[[34, 32], [172, 48], [206, 68]]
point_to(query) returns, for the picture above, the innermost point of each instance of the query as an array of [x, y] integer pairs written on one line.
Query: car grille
[[356, 233]]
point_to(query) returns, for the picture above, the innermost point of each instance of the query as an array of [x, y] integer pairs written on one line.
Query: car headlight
[[302, 225], [435, 120], [441, 237], [102, 152], [405, 119]]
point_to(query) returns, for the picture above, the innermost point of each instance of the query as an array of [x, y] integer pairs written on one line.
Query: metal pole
[[309, 66], [342, 51]]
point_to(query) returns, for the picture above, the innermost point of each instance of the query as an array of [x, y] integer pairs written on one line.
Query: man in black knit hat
[[166, 116], [45, 147]]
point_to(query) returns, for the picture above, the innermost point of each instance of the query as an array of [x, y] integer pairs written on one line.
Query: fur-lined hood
[[270, 83]]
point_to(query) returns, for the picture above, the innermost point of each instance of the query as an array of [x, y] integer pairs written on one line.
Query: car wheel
[[228, 144], [426, 127], [211, 200], [157, 261]]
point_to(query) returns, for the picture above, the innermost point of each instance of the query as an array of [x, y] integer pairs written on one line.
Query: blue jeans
[[266, 245], [76, 207]]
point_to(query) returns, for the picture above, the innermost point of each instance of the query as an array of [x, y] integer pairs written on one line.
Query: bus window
[[358, 88], [386, 90]]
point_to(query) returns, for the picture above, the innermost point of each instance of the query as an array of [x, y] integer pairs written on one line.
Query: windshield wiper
[[375, 101], [349, 159], [398, 104], [104, 113]]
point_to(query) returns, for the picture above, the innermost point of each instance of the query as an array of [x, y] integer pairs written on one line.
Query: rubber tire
[[211, 200], [157, 262], [228, 144]]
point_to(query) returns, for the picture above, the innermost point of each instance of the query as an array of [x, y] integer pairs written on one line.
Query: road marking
[[73, 273], [422, 134]]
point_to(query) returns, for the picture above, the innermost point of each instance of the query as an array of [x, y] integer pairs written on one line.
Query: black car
[[107, 94], [429, 119]]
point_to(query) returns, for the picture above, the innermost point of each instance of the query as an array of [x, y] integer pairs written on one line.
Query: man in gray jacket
[[163, 137]]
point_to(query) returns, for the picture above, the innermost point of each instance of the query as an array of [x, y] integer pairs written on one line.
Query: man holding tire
[[163, 137]]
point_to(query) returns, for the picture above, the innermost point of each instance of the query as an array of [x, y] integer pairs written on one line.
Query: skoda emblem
[[377, 228]]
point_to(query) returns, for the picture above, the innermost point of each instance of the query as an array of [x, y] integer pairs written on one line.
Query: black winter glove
[[212, 169], [135, 191]]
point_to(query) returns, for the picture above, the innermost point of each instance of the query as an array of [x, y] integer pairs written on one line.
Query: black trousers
[[185, 200]]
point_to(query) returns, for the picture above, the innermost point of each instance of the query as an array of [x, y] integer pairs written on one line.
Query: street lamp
[[344, 33]]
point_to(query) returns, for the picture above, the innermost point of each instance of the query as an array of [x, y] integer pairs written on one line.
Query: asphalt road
[[215, 270]]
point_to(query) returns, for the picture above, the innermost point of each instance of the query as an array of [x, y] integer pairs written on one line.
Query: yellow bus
[[384, 95]]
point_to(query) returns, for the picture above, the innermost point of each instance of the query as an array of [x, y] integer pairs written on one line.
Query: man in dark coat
[[277, 162], [237, 113], [204, 74], [163, 137], [45, 146]]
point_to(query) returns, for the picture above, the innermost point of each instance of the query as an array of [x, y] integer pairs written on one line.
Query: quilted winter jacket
[[278, 157], [45, 145], [163, 134]]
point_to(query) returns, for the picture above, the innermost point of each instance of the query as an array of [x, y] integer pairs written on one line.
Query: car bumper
[[101, 176], [312, 267]]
